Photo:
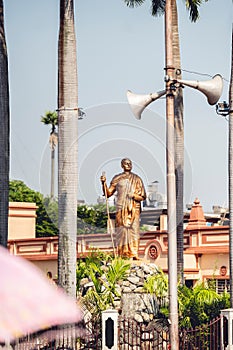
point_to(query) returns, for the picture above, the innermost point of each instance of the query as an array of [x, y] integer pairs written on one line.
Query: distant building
[[206, 243], [21, 220], [102, 200], [155, 199]]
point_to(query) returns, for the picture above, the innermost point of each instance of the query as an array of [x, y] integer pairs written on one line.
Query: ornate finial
[[197, 218]]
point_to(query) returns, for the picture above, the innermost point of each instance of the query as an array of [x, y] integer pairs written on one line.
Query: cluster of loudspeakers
[[212, 89]]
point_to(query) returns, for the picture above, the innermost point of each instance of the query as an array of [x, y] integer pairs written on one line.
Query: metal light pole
[[230, 175], [226, 109], [230, 170], [171, 181], [212, 89]]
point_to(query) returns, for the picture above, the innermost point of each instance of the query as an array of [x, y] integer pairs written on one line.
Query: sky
[[119, 49]]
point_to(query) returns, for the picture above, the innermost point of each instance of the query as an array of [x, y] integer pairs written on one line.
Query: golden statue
[[130, 192]]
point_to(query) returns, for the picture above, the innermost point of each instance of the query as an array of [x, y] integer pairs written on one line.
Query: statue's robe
[[128, 212]]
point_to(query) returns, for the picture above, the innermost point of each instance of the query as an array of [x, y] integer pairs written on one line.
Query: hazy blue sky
[[118, 49]]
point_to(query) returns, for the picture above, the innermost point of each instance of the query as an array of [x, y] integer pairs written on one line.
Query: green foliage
[[98, 257], [51, 206], [81, 272], [104, 274], [19, 192], [50, 118], [92, 262], [158, 7], [200, 304], [92, 219], [157, 285], [117, 270], [197, 305], [47, 223], [144, 228]]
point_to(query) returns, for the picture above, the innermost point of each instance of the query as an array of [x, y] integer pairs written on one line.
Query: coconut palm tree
[[4, 133], [158, 8], [50, 118], [67, 148], [179, 147]]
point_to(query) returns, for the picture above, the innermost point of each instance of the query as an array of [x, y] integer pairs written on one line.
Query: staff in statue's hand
[[110, 226]]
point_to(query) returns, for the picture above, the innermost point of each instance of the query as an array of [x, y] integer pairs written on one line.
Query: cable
[[203, 74]]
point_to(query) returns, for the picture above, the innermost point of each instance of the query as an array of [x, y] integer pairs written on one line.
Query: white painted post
[[109, 330], [228, 313]]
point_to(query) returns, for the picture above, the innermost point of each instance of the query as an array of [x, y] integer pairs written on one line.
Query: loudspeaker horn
[[212, 89], [139, 102]]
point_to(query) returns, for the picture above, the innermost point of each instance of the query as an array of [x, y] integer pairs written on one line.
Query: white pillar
[[109, 330], [228, 313]]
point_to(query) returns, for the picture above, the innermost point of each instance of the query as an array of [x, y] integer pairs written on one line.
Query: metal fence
[[205, 337], [74, 337], [131, 335]]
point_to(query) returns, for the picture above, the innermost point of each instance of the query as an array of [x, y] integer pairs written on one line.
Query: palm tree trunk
[[4, 133], [230, 175], [67, 148], [52, 172], [179, 147]]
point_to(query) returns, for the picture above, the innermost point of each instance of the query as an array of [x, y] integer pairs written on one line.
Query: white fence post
[[109, 329], [228, 313]]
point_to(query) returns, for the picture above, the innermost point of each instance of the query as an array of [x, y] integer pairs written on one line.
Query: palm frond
[[206, 296], [95, 302], [134, 3], [117, 270], [157, 284], [192, 7], [50, 118], [158, 7]]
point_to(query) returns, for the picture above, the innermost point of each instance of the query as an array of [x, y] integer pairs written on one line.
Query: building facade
[[206, 247]]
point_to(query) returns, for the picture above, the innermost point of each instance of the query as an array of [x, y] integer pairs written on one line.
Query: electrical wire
[[203, 74]]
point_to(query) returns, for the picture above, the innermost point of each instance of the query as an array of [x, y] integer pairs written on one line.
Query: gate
[[205, 337]]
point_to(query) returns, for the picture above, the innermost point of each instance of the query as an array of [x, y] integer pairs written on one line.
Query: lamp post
[[224, 109], [230, 174], [212, 89]]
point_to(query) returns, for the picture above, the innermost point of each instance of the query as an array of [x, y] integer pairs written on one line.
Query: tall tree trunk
[[179, 147], [67, 148], [52, 173], [230, 175], [4, 133], [171, 185], [53, 140]]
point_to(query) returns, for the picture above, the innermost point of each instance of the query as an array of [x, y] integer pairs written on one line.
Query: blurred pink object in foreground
[[28, 301]]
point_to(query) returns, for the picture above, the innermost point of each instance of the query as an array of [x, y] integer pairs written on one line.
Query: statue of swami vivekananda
[[130, 192]]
